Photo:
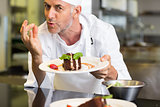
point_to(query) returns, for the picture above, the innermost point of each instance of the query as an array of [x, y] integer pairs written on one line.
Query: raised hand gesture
[[29, 36]]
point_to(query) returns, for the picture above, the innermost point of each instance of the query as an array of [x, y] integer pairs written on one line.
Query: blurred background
[[137, 23]]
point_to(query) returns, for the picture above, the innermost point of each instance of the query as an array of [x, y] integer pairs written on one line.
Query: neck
[[72, 34]]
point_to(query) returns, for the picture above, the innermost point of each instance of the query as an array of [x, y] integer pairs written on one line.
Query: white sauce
[[72, 67], [76, 64]]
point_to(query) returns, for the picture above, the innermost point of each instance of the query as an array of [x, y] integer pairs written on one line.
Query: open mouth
[[51, 24]]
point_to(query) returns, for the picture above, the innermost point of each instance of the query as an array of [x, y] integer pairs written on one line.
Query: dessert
[[71, 61], [95, 102]]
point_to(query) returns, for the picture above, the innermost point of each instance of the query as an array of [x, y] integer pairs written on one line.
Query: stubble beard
[[58, 28], [67, 26]]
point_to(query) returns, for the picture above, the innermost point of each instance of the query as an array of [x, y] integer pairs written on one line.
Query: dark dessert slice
[[67, 64], [79, 63], [95, 102], [71, 62], [76, 63]]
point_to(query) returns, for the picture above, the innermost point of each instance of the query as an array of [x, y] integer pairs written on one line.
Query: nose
[[52, 13]]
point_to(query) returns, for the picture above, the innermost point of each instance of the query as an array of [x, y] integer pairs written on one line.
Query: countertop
[[18, 96], [143, 64]]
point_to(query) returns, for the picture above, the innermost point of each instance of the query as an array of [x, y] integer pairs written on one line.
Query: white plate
[[77, 101], [90, 60]]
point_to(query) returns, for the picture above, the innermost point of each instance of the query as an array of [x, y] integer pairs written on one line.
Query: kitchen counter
[[18, 96], [143, 64]]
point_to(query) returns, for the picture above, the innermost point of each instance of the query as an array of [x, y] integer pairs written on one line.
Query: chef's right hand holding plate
[[107, 73]]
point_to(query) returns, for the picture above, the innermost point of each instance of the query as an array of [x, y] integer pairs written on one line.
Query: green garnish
[[107, 96], [117, 84], [64, 56], [77, 55]]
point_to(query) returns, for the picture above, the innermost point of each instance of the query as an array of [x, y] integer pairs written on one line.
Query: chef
[[67, 30]]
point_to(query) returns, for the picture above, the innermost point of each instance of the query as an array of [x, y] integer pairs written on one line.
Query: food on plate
[[69, 106], [53, 66], [71, 61], [117, 84], [96, 102]]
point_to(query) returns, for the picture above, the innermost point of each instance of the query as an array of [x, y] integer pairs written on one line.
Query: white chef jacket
[[97, 39]]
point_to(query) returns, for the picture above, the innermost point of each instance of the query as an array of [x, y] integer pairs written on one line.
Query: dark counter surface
[[143, 64], [18, 96]]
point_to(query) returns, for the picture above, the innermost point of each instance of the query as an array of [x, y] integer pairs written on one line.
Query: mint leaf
[[77, 55], [64, 56]]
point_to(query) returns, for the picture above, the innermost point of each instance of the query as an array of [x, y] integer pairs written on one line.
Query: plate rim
[[87, 99], [105, 63]]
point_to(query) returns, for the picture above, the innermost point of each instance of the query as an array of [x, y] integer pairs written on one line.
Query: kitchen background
[[137, 23]]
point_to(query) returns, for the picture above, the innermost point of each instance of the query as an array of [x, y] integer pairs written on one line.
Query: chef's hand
[[108, 73], [29, 36]]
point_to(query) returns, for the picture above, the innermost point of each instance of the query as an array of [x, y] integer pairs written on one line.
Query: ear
[[76, 11]]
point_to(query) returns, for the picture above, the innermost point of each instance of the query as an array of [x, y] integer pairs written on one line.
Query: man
[[67, 30]]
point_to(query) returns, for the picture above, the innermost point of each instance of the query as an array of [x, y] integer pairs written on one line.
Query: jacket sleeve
[[109, 44], [117, 58], [31, 80]]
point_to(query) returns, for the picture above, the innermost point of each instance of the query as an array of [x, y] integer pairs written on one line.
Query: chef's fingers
[[25, 22], [105, 69], [30, 34], [100, 74], [35, 31], [29, 27], [24, 36], [25, 30], [22, 31], [112, 73], [106, 58]]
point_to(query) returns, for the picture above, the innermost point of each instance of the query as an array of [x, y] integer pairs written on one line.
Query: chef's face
[[58, 15]]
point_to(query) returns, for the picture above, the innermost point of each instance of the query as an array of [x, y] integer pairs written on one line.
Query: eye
[[58, 8], [47, 7]]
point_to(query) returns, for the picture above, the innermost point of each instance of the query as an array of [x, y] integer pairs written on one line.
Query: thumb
[[35, 31], [106, 58]]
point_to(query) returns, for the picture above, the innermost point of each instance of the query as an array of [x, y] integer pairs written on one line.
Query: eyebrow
[[55, 5], [45, 3]]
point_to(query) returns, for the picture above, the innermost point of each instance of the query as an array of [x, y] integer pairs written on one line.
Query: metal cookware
[[126, 89]]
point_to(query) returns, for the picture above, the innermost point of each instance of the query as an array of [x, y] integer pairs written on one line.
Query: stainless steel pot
[[128, 89]]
